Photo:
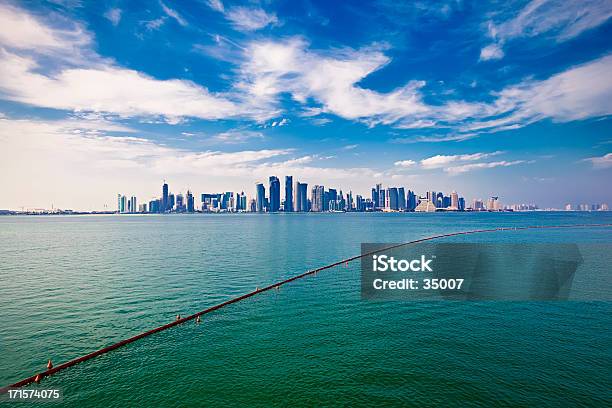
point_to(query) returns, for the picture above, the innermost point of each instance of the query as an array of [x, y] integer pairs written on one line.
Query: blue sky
[[509, 98]]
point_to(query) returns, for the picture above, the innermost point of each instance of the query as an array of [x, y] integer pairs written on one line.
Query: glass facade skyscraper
[[288, 194], [274, 194], [261, 197], [164, 203], [301, 197]]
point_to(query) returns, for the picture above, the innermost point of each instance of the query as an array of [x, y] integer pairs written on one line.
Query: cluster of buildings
[[297, 197], [587, 207], [167, 203]]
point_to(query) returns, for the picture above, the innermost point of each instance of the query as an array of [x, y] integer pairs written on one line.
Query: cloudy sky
[[511, 98]]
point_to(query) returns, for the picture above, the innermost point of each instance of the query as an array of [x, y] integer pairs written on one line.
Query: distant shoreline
[[65, 213]]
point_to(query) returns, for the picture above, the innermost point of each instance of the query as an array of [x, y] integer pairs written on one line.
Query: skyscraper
[[359, 203], [190, 202], [164, 202], [170, 206], [301, 197], [288, 194], [391, 198], [261, 197], [133, 206], [317, 197], [180, 203], [330, 200], [411, 201], [401, 199], [375, 197], [120, 203], [454, 204], [439, 200], [274, 194], [380, 197]]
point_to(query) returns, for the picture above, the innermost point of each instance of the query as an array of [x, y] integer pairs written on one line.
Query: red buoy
[[37, 379], [49, 365]]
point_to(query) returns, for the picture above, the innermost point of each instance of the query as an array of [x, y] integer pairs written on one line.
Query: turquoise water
[[73, 284]]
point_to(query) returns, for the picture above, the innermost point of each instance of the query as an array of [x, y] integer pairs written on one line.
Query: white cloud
[[321, 121], [108, 89], [82, 80], [113, 15], [156, 24], [475, 166], [173, 14], [434, 138], [237, 136], [578, 93], [561, 19], [440, 160], [331, 79], [21, 30], [350, 147], [250, 19], [216, 5], [565, 19], [405, 163], [491, 52], [601, 162]]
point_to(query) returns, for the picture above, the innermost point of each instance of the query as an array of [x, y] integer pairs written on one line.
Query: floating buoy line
[[51, 369]]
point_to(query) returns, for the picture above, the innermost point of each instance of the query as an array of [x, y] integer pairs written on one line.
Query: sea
[[73, 284]]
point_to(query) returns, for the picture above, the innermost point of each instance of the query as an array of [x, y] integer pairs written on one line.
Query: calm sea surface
[[73, 284]]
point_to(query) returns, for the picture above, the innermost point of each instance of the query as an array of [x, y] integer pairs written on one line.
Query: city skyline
[[325, 199], [510, 100]]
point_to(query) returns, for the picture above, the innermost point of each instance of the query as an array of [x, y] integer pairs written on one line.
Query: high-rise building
[[180, 203], [454, 200], [478, 205], [133, 205], [331, 198], [261, 197], [401, 199], [461, 204], [190, 202], [252, 205], [122, 205], [274, 194], [375, 196], [359, 203], [439, 200], [155, 206], [411, 201], [164, 200], [171, 202], [317, 198], [381, 196], [288, 194], [391, 199], [301, 197], [493, 204]]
